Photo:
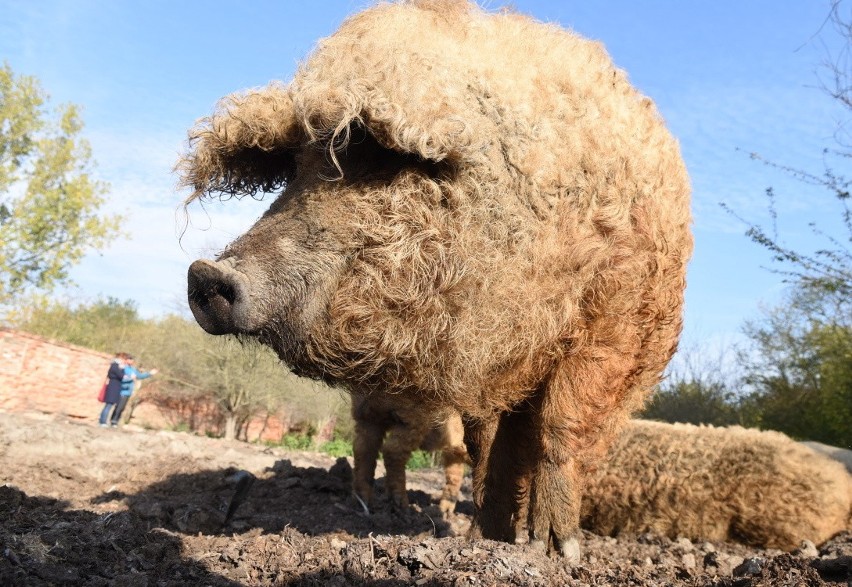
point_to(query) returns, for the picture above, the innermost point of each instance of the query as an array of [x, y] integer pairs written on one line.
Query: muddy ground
[[82, 505]]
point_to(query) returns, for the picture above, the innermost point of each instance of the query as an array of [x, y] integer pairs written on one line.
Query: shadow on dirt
[[45, 543], [148, 508], [312, 500]]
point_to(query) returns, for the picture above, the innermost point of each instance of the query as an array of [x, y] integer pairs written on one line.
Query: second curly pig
[[701, 482]]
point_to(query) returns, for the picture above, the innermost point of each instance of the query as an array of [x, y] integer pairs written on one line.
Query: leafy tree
[[699, 388], [244, 377], [800, 368], [241, 377], [800, 371], [108, 325], [49, 204]]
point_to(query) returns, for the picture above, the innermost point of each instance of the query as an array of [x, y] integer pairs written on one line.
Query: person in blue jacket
[[128, 385], [115, 376]]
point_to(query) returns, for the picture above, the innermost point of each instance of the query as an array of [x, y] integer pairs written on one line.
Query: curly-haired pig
[[471, 211]]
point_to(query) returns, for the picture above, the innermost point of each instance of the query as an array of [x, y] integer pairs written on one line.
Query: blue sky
[[730, 77]]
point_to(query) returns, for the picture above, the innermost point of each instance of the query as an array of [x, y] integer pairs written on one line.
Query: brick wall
[[39, 374]]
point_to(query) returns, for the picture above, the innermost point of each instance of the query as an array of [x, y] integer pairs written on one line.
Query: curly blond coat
[[524, 263], [702, 482]]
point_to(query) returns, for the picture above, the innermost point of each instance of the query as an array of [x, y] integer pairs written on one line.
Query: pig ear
[[430, 122], [247, 146], [445, 138]]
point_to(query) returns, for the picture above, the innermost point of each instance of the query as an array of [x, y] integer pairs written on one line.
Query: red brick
[[44, 375]]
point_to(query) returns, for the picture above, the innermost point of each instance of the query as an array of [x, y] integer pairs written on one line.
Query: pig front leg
[[501, 469]]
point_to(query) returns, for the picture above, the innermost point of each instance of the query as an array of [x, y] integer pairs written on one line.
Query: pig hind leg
[[501, 448], [454, 457], [368, 441], [402, 440]]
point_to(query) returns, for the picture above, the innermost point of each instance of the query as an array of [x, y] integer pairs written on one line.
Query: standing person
[[115, 375], [128, 384]]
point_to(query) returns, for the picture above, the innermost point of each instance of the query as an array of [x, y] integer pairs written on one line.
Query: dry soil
[[82, 505]]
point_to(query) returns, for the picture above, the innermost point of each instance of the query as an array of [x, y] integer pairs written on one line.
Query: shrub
[[297, 442], [421, 459], [338, 447]]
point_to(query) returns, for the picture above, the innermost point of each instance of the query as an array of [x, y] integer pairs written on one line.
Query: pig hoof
[[475, 531], [570, 549]]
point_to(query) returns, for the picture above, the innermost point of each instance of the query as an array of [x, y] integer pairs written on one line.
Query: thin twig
[[363, 505]]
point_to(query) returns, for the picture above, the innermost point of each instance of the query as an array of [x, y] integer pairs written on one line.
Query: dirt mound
[[88, 506]]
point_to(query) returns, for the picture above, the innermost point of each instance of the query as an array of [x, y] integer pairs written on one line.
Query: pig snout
[[218, 296]]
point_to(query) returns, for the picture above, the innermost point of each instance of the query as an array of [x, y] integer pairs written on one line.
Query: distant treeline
[[795, 376]]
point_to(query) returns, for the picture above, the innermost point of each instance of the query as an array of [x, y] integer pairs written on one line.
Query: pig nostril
[[197, 298], [205, 297], [225, 291], [214, 293]]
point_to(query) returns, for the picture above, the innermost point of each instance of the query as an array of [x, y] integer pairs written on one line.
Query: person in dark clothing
[[128, 385], [113, 391]]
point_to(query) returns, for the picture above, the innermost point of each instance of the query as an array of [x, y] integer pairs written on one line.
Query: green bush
[[338, 447], [800, 372], [694, 402], [421, 459], [297, 442]]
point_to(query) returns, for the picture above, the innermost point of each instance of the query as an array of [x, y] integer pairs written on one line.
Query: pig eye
[[357, 156], [255, 170]]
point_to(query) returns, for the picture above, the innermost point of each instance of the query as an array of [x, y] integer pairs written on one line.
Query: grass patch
[[337, 448], [296, 442], [341, 447], [421, 459]]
